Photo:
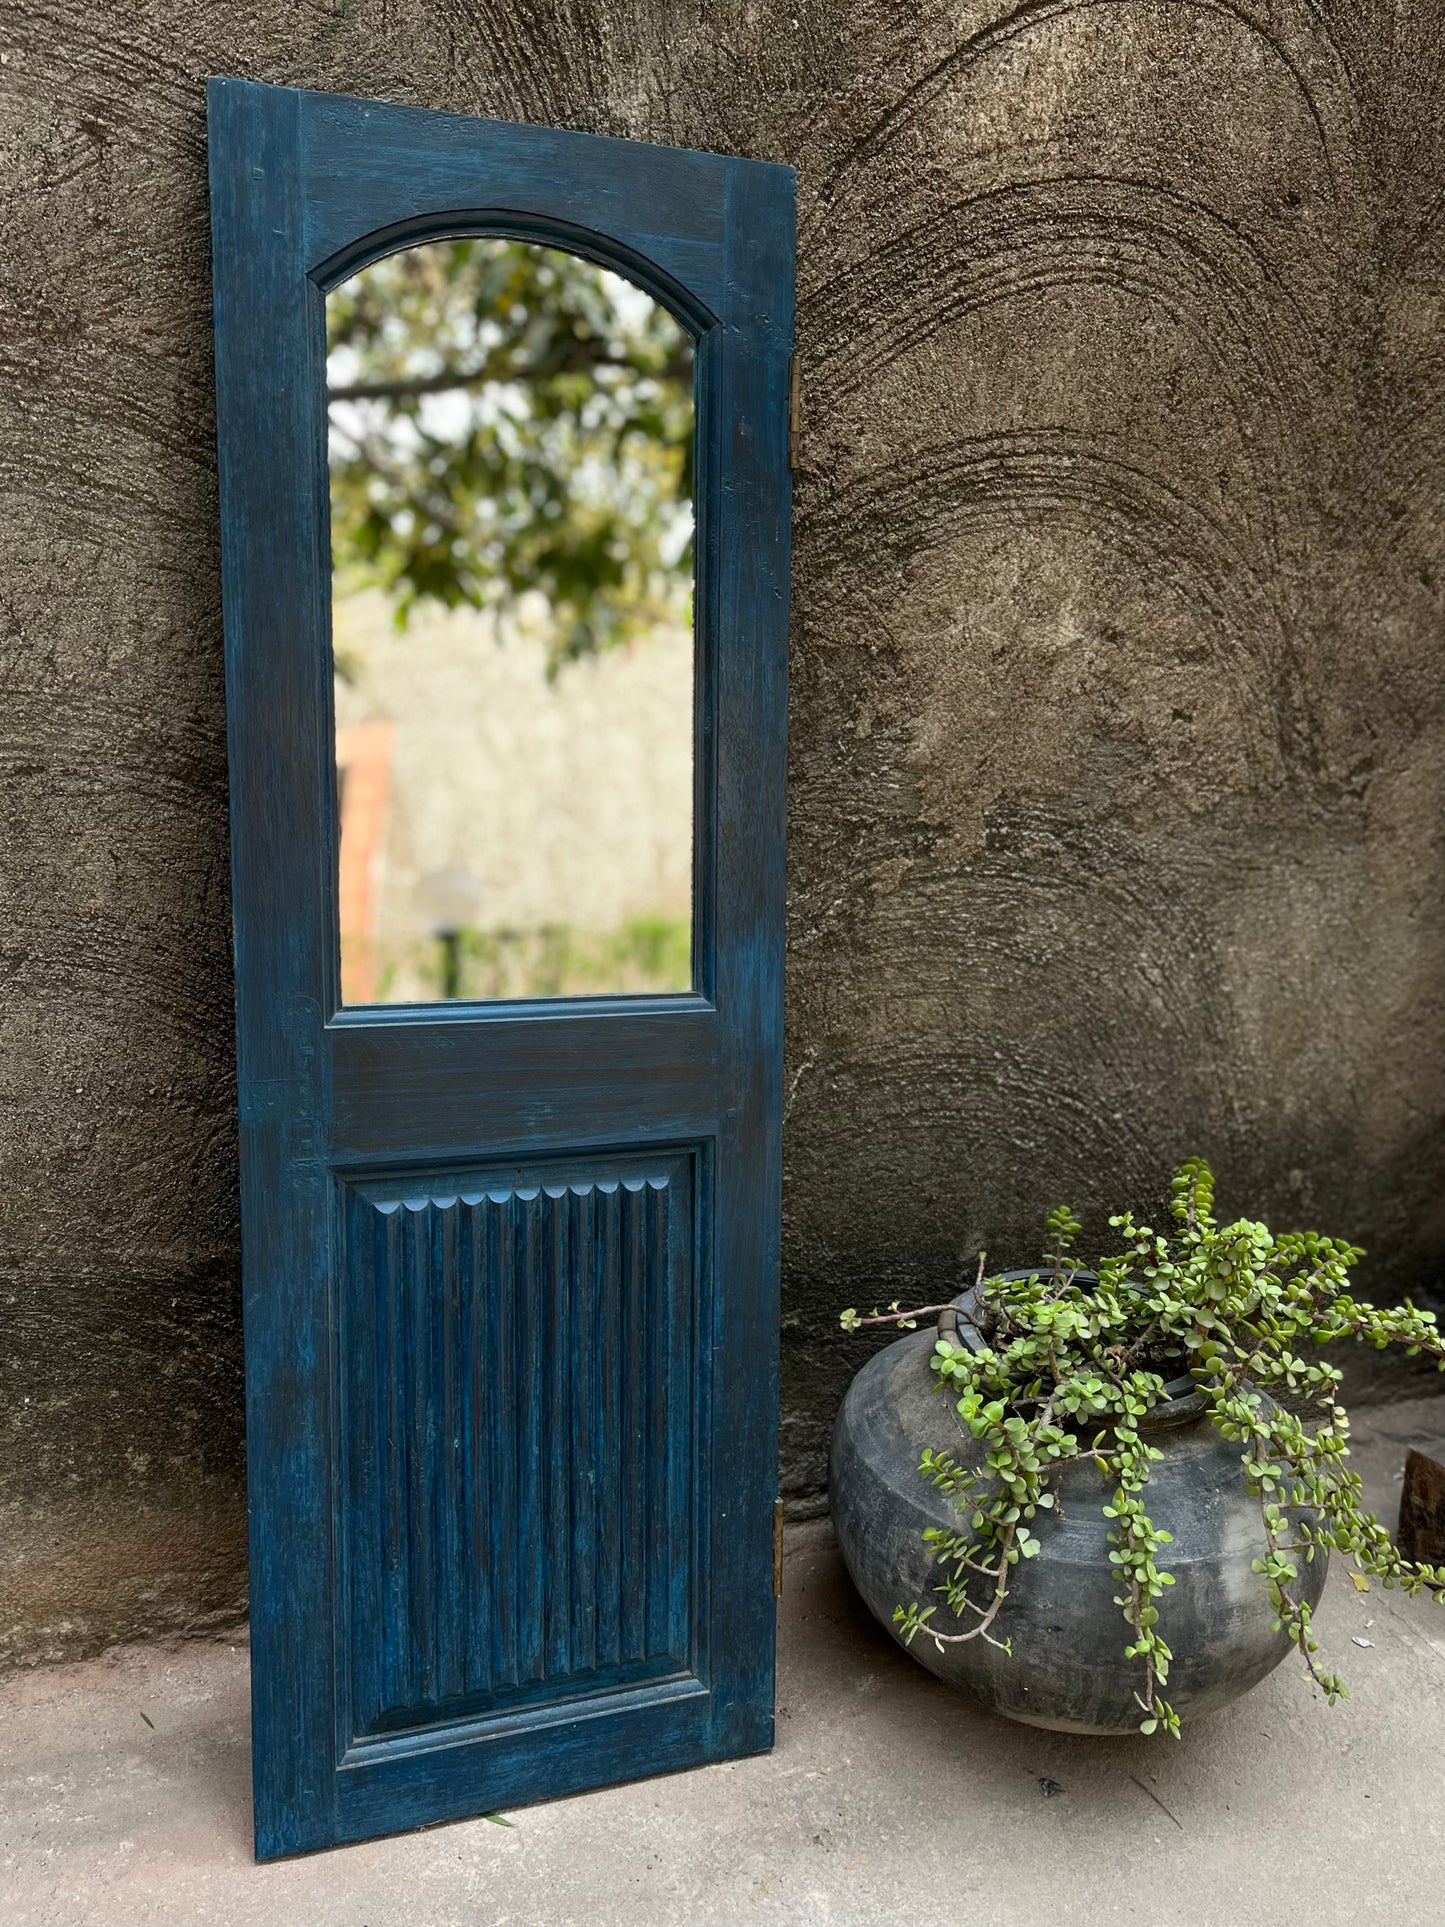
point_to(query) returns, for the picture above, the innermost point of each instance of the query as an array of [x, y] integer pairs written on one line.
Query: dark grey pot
[[1067, 1670]]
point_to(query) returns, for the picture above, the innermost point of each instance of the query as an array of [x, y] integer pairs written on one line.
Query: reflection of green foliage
[[645, 956], [505, 418]]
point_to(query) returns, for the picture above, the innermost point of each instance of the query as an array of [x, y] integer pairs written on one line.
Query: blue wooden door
[[510, 1268]]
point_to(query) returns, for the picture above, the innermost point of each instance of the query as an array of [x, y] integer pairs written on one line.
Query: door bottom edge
[[497, 1728]]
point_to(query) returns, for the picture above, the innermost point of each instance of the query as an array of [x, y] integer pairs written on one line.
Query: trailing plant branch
[[1225, 1306], [907, 1320]]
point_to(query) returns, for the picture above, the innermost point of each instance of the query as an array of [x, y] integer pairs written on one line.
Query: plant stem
[[1000, 1593]]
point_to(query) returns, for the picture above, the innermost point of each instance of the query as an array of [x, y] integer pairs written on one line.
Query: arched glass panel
[[511, 456]]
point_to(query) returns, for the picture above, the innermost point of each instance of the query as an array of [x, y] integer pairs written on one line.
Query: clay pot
[[1067, 1669]]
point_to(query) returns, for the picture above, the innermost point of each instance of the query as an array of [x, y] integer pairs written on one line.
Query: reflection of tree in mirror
[[506, 418]]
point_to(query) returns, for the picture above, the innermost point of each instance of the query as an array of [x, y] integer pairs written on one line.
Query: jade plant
[[1073, 1361]]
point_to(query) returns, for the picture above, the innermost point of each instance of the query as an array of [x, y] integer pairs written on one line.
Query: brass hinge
[[777, 1548], [795, 410]]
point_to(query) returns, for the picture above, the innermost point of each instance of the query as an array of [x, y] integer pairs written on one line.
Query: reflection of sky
[[448, 416], [629, 300], [672, 540]]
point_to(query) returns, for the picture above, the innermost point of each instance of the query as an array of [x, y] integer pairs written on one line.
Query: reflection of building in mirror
[[511, 494]]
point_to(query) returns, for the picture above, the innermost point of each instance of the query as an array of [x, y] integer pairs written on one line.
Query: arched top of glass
[[511, 459]]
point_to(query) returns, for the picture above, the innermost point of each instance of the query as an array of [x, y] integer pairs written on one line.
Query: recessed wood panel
[[519, 1429]]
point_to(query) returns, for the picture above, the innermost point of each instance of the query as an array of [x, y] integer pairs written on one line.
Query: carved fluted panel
[[518, 1427]]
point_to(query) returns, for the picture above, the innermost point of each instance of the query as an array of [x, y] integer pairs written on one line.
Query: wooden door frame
[[305, 189]]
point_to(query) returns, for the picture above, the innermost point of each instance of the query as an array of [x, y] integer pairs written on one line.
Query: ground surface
[[889, 1802]]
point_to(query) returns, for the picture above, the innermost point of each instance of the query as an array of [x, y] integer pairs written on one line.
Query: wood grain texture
[[1117, 758], [425, 1622], [520, 1379]]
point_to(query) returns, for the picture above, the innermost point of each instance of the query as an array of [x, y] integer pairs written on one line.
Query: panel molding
[[496, 1729], [520, 1428]]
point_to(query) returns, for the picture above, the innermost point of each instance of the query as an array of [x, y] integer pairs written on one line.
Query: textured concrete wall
[[1117, 725]]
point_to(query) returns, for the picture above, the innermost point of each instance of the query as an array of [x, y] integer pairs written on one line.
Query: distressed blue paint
[[480, 1319], [510, 1271]]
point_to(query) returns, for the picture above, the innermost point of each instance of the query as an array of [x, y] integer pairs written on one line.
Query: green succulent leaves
[[1071, 1365]]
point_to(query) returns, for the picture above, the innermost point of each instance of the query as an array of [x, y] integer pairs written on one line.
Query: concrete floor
[[888, 1802]]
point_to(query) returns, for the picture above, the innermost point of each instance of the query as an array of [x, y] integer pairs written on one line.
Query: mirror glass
[[511, 455]]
